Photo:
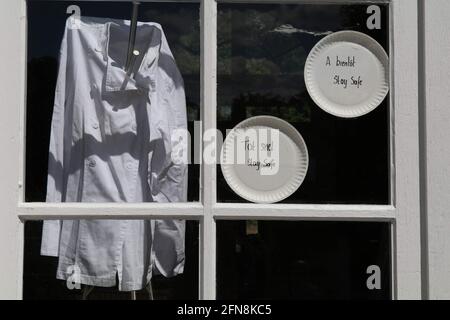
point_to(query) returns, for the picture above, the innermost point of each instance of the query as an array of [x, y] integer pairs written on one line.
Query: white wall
[[12, 52], [437, 145]]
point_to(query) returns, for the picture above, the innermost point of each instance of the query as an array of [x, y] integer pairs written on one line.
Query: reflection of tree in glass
[[247, 43], [270, 39], [262, 51]]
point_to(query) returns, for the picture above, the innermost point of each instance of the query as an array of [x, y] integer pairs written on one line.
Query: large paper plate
[[264, 159], [347, 74]]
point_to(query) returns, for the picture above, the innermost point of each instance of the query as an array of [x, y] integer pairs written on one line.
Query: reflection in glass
[[262, 49]]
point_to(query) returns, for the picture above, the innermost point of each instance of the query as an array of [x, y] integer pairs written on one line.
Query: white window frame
[[403, 213]]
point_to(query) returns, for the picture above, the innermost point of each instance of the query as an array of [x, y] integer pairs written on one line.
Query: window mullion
[[404, 57], [44, 211], [304, 212], [207, 248]]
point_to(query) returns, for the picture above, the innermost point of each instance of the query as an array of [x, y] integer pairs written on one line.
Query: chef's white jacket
[[112, 141]]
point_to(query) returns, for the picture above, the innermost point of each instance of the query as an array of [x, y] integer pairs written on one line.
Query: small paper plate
[[264, 159], [347, 74]]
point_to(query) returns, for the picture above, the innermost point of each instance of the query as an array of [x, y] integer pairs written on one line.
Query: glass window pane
[[99, 131], [303, 260], [46, 30], [40, 272], [262, 49]]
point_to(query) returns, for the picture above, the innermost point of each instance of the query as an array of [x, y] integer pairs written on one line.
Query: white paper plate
[[330, 58], [287, 163]]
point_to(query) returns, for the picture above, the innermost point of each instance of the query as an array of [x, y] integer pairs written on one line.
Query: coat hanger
[[132, 53]]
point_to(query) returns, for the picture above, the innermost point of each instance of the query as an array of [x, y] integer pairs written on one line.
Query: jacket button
[[129, 166], [95, 126], [92, 163]]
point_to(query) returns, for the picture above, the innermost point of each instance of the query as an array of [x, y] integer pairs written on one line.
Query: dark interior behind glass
[[301, 260]]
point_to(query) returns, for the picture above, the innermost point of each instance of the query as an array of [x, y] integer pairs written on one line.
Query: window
[[261, 60], [245, 59], [111, 136]]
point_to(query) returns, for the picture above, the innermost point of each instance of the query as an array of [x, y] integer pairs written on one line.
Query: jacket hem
[[96, 281]]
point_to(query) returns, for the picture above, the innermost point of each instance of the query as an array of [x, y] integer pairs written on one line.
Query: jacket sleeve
[[55, 177], [169, 235], [171, 183]]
